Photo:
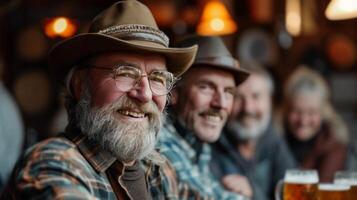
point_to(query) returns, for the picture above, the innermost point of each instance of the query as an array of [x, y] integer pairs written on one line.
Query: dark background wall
[[328, 46]]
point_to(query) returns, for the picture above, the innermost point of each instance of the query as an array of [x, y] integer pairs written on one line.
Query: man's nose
[[304, 119], [248, 105], [220, 100], [141, 90]]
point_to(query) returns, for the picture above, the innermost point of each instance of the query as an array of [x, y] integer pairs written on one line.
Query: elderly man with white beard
[[249, 146], [117, 80]]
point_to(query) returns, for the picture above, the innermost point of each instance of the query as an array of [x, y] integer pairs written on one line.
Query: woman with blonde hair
[[314, 132]]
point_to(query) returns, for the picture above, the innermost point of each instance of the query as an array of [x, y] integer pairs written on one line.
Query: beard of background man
[[249, 126], [127, 141]]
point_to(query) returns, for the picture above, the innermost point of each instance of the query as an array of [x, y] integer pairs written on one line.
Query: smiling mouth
[[212, 117], [134, 114]]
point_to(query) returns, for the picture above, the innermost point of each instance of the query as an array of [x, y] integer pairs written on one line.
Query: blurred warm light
[[293, 17], [217, 24], [262, 11], [60, 27], [216, 20], [341, 9], [164, 12], [341, 51]]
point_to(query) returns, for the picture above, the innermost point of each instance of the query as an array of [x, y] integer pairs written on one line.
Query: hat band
[[223, 60], [137, 31]]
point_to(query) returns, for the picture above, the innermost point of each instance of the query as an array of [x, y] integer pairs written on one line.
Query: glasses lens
[[161, 82], [125, 77]]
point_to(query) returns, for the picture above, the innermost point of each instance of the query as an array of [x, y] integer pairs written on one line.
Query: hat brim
[[239, 74], [69, 52]]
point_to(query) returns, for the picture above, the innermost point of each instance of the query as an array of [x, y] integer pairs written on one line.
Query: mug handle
[[279, 190]]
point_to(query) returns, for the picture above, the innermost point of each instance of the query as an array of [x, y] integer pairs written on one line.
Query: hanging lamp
[[341, 9], [216, 20]]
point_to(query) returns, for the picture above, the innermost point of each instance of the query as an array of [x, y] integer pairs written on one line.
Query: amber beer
[[300, 185], [353, 191], [333, 192], [352, 184], [347, 178]]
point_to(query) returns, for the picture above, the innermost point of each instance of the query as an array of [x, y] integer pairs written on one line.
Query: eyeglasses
[[127, 77]]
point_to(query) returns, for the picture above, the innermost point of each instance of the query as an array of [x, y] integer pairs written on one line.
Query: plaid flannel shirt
[[60, 168], [191, 159]]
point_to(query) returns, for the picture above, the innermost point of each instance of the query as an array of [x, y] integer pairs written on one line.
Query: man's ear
[[77, 83]]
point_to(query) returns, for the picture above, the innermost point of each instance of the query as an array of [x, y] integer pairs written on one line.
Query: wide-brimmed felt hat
[[126, 26], [213, 53]]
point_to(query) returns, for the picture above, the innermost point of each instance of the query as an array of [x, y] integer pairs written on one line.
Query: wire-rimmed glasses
[[127, 77]]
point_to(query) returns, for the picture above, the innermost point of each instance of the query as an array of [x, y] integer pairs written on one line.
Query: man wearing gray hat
[[201, 103], [117, 78]]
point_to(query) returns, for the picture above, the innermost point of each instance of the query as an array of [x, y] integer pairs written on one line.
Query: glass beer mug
[[298, 185], [347, 178], [328, 191]]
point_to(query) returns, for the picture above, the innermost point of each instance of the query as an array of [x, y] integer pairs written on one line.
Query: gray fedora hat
[[125, 26], [213, 53]]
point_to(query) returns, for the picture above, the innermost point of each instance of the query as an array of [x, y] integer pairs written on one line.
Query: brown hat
[[124, 26], [213, 53]]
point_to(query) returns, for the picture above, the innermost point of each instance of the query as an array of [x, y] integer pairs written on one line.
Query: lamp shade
[[341, 9], [216, 20]]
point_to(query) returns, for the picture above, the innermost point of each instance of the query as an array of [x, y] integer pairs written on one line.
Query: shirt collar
[[188, 135], [200, 150], [98, 158]]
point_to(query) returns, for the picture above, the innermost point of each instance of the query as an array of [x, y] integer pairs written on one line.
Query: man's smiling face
[[124, 122], [205, 100]]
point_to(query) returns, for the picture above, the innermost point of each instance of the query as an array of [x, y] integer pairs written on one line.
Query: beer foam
[[301, 177], [346, 182], [333, 187]]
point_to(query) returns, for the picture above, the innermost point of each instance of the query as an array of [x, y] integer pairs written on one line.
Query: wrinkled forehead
[[138, 59], [255, 83], [218, 77]]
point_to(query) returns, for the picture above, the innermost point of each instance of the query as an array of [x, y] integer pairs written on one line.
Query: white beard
[[125, 141], [243, 132]]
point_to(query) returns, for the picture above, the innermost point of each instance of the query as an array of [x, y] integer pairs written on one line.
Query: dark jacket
[[322, 152], [272, 158]]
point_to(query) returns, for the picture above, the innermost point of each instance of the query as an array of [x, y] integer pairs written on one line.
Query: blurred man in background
[[249, 146], [315, 132], [202, 102]]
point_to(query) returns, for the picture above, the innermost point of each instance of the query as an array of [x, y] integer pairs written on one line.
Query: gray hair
[[70, 102], [256, 68], [307, 81]]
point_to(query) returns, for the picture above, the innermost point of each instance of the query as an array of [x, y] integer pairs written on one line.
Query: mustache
[[215, 112], [149, 108], [125, 141]]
